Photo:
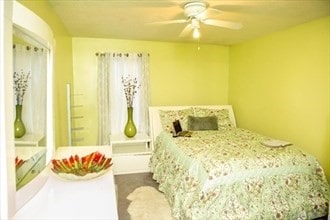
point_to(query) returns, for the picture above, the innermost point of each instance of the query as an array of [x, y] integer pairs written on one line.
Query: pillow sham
[[168, 116], [202, 123], [221, 114]]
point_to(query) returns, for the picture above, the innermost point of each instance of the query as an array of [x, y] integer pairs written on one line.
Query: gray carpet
[[126, 184]]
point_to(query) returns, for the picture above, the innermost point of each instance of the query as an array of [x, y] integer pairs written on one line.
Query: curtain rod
[[119, 54], [30, 47], [99, 54]]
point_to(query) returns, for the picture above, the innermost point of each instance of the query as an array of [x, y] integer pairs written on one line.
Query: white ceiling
[[130, 19]]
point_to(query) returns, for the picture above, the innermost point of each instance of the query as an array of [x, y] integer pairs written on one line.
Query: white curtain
[[112, 106], [33, 60]]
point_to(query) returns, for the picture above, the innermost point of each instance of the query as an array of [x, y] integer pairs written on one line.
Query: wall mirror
[[30, 68], [32, 98]]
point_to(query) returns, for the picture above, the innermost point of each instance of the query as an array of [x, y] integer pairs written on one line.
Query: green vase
[[130, 129], [18, 124]]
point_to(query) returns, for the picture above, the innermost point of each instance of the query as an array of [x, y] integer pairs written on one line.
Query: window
[[112, 105]]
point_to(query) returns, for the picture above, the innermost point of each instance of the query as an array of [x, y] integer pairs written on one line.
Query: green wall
[[62, 66], [180, 74], [279, 86]]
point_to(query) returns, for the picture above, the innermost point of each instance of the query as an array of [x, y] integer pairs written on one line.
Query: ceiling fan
[[197, 13]]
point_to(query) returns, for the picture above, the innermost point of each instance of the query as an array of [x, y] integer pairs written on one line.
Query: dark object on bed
[[178, 132]]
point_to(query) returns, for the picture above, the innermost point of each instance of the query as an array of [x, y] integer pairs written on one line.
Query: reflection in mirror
[[30, 77], [32, 56], [30, 161]]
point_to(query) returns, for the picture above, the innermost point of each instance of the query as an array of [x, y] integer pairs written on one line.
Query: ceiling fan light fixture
[[196, 33], [192, 9], [196, 13]]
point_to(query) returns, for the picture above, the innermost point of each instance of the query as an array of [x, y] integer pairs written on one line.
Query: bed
[[225, 172]]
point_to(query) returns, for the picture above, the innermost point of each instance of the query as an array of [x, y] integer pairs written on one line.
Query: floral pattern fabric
[[229, 174], [168, 117], [221, 114]]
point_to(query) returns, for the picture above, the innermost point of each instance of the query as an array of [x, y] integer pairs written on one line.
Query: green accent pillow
[[202, 123], [221, 114]]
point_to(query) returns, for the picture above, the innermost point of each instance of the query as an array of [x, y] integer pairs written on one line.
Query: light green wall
[[180, 74], [279, 86], [62, 66]]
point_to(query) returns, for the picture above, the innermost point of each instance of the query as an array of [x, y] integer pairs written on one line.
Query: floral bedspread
[[229, 174]]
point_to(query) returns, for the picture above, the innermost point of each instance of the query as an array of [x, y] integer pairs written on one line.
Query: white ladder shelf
[[73, 131]]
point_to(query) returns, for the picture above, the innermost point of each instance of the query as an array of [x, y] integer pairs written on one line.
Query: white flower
[[130, 89], [20, 85]]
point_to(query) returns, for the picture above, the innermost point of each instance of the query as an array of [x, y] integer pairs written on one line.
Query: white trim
[[29, 22], [7, 154]]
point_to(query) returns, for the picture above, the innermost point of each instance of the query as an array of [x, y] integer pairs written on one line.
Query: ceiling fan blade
[[186, 30], [180, 21], [214, 10], [209, 12], [225, 24]]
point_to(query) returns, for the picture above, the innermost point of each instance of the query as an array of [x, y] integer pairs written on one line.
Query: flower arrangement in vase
[[21, 82], [130, 86]]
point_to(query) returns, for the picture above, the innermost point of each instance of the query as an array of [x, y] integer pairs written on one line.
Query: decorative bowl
[[81, 168]]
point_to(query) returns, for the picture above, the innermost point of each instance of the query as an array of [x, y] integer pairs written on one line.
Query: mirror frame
[[28, 22], [7, 154]]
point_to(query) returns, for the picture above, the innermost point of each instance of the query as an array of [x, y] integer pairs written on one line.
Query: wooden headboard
[[155, 123]]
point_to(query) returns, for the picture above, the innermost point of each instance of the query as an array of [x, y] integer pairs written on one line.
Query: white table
[[29, 140], [120, 144], [130, 155], [73, 200]]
